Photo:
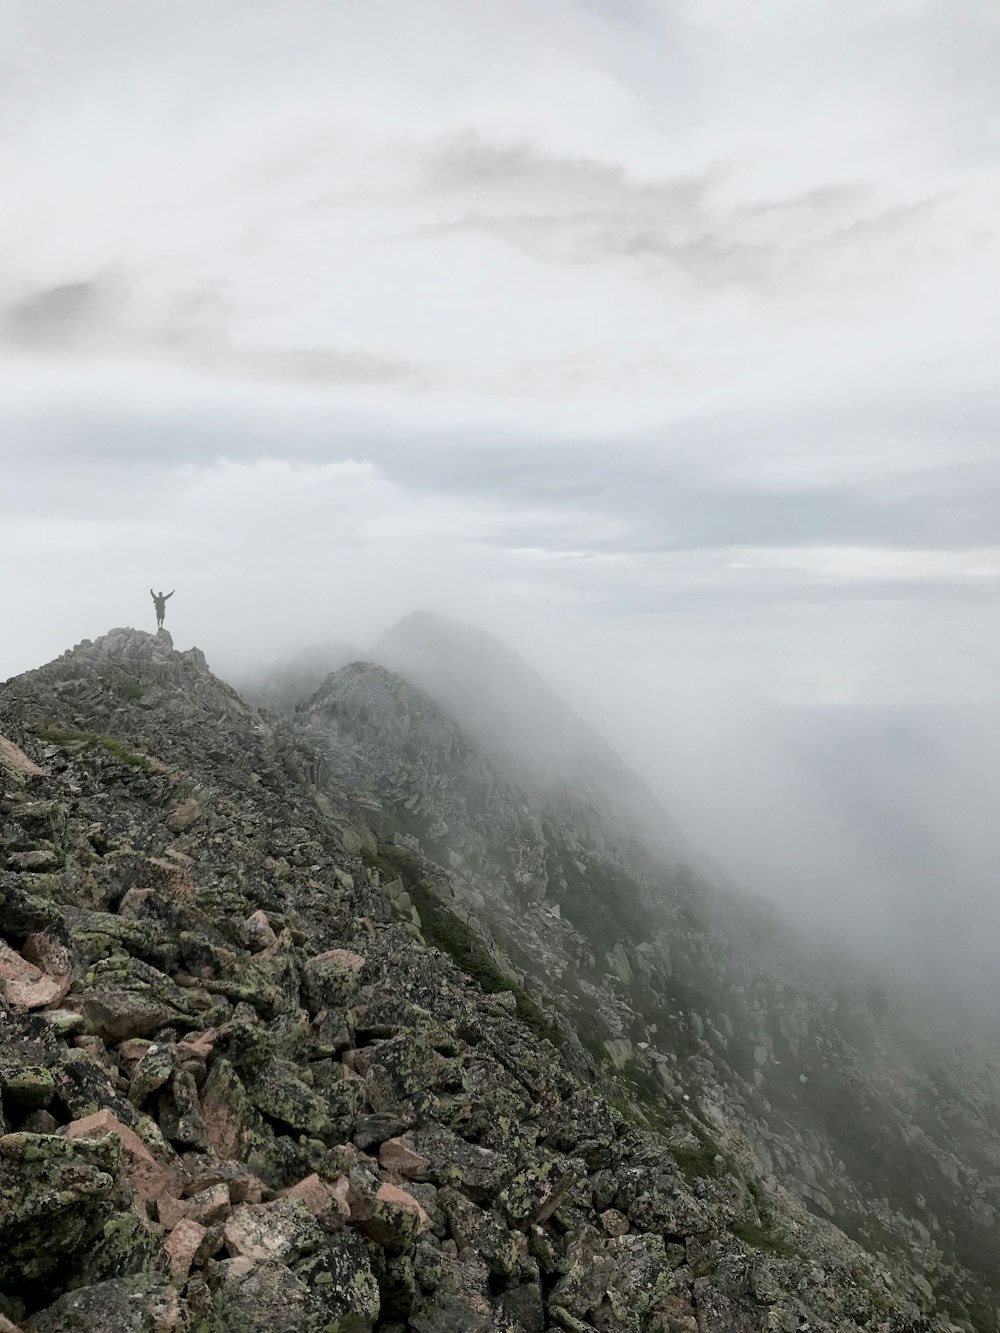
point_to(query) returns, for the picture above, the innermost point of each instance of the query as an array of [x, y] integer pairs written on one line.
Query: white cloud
[[660, 334]]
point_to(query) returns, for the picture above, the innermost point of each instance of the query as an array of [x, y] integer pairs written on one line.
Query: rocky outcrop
[[257, 1098]]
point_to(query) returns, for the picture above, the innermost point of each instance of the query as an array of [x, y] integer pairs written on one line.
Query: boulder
[[389, 1215], [55, 1197], [15, 764], [182, 1245], [278, 1090], [24, 985], [183, 815], [85, 1084], [284, 1231], [483, 1231], [152, 1070], [125, 997], [331, 980], [324, 1200], [400, 1158], [149, 1178], [138, 1304], [460, 1301], [612, 1283], [258, 933], [25, 1087], [334, 1288]]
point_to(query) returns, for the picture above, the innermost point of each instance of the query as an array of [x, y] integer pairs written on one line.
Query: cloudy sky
[[660, 336]]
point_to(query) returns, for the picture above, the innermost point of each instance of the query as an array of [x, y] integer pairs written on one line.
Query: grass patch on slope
[[449, 933], [56, 735], [763, 1238]]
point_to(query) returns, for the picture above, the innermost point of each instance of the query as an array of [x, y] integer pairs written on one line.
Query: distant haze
[[658, 338]]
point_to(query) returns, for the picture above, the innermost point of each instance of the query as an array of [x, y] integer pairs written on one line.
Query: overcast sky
[[660, 336]]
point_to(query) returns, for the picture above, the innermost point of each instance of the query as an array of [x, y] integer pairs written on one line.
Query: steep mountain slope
[[239, 1093], [519, 718], [670, 992]]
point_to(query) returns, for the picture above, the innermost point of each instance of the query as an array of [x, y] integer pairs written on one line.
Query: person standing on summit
[[160, 602]]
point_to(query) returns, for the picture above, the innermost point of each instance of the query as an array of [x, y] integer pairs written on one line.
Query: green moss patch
[[449, 933], [66, 736], [763, 1238]]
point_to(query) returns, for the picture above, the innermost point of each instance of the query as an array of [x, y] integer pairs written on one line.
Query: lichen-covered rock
[[343, 1288], [330, 980], [480, 1230], [125, 997], [25, 1086], [96, 936], [55, 1197], [278, 1090], [264, 1297], [152, 1070], [480, 1172], [284, 1230], [184, 814], [333, 1288], [659, 1200], [460, 1301], [325, 1200], [237, 976], [232, 1124], [613, 1283], [139, 1304], [180, 1113], [85, 1085], [149, 1178], [124, 1246], [387, 1214]]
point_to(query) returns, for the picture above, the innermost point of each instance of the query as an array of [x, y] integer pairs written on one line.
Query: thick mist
[[867, 822], [658, 339]]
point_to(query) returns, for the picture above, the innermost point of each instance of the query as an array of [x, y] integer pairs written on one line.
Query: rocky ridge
[[240, 1091], [878, 1115]]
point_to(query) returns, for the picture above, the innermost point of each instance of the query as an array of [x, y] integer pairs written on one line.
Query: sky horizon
[[657, 337]]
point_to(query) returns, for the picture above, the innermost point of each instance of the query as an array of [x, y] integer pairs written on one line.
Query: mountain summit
[[338, 1022]]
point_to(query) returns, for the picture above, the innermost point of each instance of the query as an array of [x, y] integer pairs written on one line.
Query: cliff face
[[245, 1084]]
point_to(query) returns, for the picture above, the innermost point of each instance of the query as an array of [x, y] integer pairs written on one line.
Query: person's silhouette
[[160, 602]]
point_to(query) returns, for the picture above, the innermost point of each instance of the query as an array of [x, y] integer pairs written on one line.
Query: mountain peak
[[129, 682], [518, 718], [440, 634], [125, 645]]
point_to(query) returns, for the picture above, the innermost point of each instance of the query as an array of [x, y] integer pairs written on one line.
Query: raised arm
[[170, 594], [152, 594]]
